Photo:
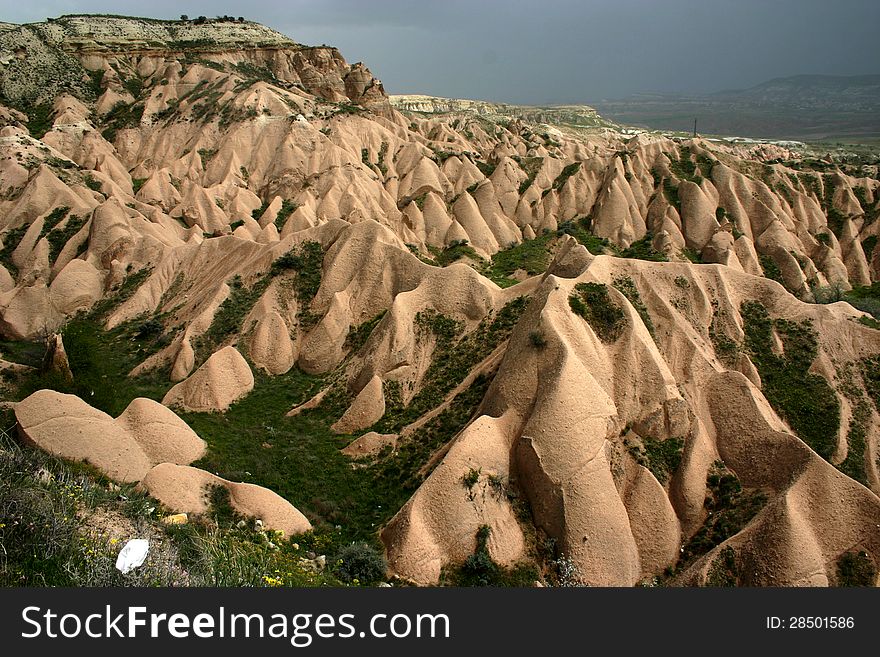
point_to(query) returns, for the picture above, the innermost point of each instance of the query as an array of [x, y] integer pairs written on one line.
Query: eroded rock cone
[[55, 360]]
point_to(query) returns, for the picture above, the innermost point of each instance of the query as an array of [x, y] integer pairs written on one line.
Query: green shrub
[[39, 120], [485, 168], [856, 569], [726, 350], [358, 336], [537, 340], [566, 173], [470, 478], [220, 505], [361, 562], [724, 570]]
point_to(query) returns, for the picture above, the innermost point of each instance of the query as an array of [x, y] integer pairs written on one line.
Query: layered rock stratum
[[652, 392]]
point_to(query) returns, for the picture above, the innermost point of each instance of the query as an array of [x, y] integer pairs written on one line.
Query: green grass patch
[[804, 400], [11, 239], [358, 336], [592, 302], [485, 168], [770, 269], [729, 509], [229, 316], [480, 570], [866, 298], [532, 256], [456, 250], [39, 120], [530, 166], [854, 463], [287, 208], [567, 172], [579, 229], [307, 260], [58, 238], [100, 361], [643, 250], [724, 570], [122, 116], [256, 213], [661, 457], [726, 350], [453, 359]]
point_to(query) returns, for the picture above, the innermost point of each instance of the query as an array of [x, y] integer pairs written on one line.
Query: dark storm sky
[[555, 51]]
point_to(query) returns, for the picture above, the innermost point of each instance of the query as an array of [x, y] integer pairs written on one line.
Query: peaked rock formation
[[124, 449], [367, 408], [223, 379], [641, 350], [55, 360], [186, 490]]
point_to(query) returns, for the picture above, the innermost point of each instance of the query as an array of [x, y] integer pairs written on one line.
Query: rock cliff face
[[604, 348], [40, 60], [569, 115]]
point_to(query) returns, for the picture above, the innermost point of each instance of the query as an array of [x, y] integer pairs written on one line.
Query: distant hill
[[806, 107]]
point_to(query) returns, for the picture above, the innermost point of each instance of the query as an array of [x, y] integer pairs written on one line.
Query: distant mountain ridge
[[808, 107]]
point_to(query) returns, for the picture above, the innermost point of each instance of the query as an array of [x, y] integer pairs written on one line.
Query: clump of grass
[[485, 168], [307, 260], [866, 298], [227, 320], [39, 120], [470, 478], [453, 359], [579, 229], [805, 400], [456, 250], [592, 302], [661, 457], [530, 166]]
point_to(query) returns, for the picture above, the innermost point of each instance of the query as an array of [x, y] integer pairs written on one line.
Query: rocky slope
[[603, 373]]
